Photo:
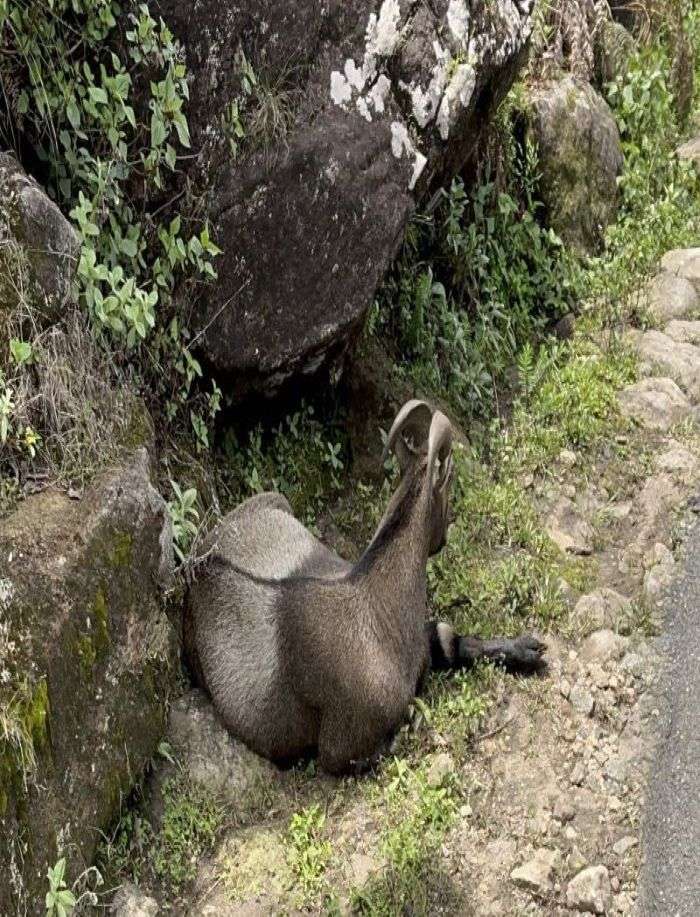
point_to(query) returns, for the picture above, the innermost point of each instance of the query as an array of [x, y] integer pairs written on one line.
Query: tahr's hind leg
[[448, 650]]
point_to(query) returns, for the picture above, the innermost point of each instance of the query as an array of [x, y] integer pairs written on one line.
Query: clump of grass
[[67, 408], [454, 705], [308, 853], [419, 812], [24, 715], [192, 819], [17, 749], [569, 399], [191, 823], [273, 111]]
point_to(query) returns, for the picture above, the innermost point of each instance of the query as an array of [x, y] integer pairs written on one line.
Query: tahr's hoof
[[526, 656]]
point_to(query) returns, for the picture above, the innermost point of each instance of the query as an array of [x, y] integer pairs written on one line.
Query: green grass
[[308, 853], [418, 813], [191, 822], [192, 818], [568, 400]]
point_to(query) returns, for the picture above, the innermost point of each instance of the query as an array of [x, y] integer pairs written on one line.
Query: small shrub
[[300, 458], [478, 277], [185, 518]]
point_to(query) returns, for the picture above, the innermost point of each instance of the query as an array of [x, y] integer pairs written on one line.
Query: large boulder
[[87, 655], [319, 127], [580, 159], [34, 229]]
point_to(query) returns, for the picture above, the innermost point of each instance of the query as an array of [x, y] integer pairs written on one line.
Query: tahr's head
[[421, 439]]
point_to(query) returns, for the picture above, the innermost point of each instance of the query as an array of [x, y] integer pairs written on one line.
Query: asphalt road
[[670, 878]]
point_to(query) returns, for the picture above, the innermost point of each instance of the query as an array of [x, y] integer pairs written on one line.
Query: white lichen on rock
[[458, 20], [8, 646], [7, 591], [453, 77], [341, 90], [383, 31], [401, 144], [354, 75], [379, 92], [382, 38], [425, 102], [459, 93]]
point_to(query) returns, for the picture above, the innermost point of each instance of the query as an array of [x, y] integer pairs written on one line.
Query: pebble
[[624, 845], [130, 901], [536, 874], [577, 860], [563, 810], [590, 890], [603, 646], [441, 765], [601, 609], [582, 700], [657, 404], [632, 664]]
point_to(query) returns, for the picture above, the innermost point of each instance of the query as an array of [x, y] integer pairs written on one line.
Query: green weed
[[419, 813], [191, 822], [569, 399], [60, 900], [454, 705], [300, 458], [308, 852], [185, 519]]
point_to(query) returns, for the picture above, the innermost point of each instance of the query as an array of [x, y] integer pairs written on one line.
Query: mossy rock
[[48, 243], [580, 159], [87, 660], [614, 48]]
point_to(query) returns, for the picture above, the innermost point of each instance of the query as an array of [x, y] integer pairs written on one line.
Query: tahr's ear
[[440, 450], [408, 436]]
